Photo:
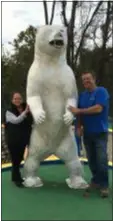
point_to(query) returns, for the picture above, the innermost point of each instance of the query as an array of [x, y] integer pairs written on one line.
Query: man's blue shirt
[[95, 123]]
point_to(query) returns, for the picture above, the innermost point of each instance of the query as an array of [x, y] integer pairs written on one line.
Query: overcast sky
[[17, 16]]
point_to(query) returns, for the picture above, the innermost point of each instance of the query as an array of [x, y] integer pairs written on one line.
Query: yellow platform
[[53, 158]]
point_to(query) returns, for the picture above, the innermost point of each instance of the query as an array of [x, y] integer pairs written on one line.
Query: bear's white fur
[[51, 88]]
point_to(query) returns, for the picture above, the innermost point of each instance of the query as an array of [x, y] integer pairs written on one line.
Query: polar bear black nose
[[60, 34]]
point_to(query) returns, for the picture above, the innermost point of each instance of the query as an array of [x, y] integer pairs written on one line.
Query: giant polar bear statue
[[51, 88]]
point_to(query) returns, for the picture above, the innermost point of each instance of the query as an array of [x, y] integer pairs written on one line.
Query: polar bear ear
[[38, 28]]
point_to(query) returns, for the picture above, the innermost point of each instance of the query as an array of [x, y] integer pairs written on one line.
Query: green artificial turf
[[53, 201]]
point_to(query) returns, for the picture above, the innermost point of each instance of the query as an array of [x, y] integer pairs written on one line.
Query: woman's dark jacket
[[18, 133]]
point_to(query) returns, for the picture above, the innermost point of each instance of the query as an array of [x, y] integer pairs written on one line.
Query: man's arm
[[101, 100], [92, 110]]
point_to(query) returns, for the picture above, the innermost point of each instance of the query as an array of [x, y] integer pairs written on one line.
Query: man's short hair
[[89, 72]]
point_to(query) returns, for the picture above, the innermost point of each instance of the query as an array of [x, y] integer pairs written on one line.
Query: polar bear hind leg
[[37, 152], [67, 151], [30, 170]]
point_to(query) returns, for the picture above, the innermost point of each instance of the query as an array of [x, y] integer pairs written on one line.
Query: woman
[[18, 124]]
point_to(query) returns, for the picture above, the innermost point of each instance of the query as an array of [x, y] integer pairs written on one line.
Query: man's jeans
[[96, 149]]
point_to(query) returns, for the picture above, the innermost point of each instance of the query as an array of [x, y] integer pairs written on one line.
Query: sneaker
[[104, 192]]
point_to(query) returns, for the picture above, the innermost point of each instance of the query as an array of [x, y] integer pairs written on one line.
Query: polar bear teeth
[[57, 42]]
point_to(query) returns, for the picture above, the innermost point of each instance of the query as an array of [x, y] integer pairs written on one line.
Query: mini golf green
[[53, 201]]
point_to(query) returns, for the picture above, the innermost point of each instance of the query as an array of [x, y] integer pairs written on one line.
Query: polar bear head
[[51, 40]]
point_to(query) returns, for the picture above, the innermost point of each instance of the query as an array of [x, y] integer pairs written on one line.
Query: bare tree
[[70, 30], [46, 13], [83, 35], [52, 12], [71, 25], [76, 41], [105, 28], [84, 20]]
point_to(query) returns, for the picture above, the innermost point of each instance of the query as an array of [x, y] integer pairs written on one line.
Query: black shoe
[[19, 184], [20, 180]]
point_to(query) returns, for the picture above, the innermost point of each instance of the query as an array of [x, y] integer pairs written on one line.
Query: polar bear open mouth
[[57, 42]]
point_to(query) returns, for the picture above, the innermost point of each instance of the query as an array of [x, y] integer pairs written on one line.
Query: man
[[92, 115]]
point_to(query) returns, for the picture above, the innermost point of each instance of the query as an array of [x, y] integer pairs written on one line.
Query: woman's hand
[[27, 110]]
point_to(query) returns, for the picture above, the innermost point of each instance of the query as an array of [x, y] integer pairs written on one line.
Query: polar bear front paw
[[68, 118], [39, 116]]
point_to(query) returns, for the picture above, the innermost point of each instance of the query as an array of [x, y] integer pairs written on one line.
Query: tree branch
[[85, 29], [72, 20], [53, 12], [105, 32], [70, 53], [45, 12], [63, 13], [106, 25]]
